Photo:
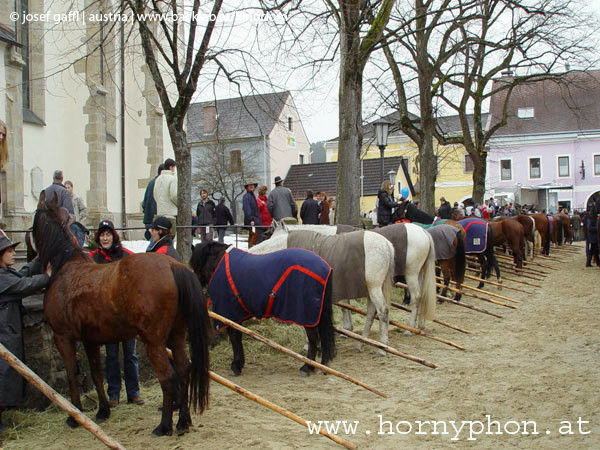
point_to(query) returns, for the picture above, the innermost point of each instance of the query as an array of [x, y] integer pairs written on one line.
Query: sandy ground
[[539, 363]]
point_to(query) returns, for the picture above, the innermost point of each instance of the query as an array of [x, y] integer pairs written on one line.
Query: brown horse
[[565, 223], [511, 232], [543, 227], [146, 295]]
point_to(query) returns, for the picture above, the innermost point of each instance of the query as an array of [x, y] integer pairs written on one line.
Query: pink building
[[548, 154]]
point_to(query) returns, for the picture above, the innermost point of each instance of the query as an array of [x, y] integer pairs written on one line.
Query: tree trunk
[[479, 173], [350, 140], [184, 191]]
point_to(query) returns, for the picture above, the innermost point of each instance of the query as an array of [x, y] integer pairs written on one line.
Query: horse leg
[[93, 355], [483, 268], [182, 366], [347, 317], [157, 355], [312, 335], [377, 303], [447, 271], [235, 337], [66, 348], [415, 295]]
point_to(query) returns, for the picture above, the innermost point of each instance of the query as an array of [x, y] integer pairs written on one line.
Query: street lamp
[[392, 177], [381, 134]]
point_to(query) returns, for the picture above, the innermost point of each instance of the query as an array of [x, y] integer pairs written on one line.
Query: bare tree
[[220, 169]]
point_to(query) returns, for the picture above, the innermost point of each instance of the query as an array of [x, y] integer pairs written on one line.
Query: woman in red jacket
[[163, 239], [262, 208], [109, 250]]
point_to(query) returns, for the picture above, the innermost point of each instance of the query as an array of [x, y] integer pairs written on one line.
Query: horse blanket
[[443, 238], [550, 222], [345, 253], [396, 234], [288, 285], [476, 234]]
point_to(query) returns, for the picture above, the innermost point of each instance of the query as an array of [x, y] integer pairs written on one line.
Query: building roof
[[323, 176], [566, 103], [449, 125], [237, 118]]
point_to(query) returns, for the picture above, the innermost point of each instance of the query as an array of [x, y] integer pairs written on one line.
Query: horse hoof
[[72, 422], [182, 430], [161, 431], [407, 334], [302, 373], [343, 336], [359, 347], [380, 353]]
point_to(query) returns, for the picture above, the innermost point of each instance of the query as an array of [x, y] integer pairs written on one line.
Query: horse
[[291, 285], [414, 257], [542, 225], [510, 231], [564, 222], [486, 259], [146, 295], [370, 278]]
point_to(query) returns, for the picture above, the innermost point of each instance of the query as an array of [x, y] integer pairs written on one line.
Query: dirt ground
[[539, 363]]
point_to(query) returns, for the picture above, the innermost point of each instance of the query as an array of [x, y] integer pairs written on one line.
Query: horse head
[[52, 239], [205, 259], [400, 212]]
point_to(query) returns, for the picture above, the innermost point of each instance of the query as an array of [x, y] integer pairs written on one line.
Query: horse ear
[[53, 201], [42, 199]]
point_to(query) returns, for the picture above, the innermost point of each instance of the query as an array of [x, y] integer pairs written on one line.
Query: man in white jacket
[[165, 192]]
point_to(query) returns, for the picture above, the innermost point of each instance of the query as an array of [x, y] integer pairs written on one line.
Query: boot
[[589, 261]]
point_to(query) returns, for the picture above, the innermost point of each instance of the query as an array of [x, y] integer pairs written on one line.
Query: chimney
[[507, 73], [209, 118], [567, 66]]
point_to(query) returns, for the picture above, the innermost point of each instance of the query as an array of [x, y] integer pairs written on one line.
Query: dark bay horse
[[564, 222], [147, 295], [511, 232], [292, 285]]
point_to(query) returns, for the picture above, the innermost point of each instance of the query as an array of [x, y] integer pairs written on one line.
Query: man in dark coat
[[590, 227], [281, 202], [205, 214], [309, 212], [149, 204], [445, 210], [13, 287], [251, 214], [62, 195], [223, 217]]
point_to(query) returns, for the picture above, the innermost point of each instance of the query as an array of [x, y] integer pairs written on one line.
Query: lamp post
[[392, 177], [381, 135]]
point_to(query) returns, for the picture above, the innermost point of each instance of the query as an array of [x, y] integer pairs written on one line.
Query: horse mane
[[417, 215], [201, 253], [52, 239]]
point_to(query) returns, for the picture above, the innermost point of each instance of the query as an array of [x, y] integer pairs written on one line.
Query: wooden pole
[[293, 354], [493, 283], [58, 399], [527, 283], [481, 291], [445, 324], [405, 327], [513, 271], [528, 262], [462, 304], [489, 300], [278, 409], [387, 348]]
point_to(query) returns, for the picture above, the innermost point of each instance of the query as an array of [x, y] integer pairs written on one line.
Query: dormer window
[[290, 123], [525, 113]]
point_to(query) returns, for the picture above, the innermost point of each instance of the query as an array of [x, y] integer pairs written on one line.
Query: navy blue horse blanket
[[288, 285], [476, 234]]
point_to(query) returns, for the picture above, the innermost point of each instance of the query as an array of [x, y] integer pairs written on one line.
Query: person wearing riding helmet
[[162, 238], [110, 250]]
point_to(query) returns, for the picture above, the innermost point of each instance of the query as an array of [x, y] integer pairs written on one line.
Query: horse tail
[[489, 252], [192, 303], [460, 260], [559, 226], [428, 293], [325, 325], [547, 244]]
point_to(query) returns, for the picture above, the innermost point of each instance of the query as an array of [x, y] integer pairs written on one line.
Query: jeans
[[221, 235], [130, 370]]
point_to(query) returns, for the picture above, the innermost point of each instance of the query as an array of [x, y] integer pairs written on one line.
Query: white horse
[[419, 270], [379, 269]]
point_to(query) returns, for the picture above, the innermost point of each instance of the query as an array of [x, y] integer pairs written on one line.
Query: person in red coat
[[110, 250], [262, 199], [162, 238]]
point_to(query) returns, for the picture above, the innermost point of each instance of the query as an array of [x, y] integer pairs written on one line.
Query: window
[[290, 123], [563, 166], [467, 163], [505, 169], [525, 113], [596, 164], [291, 142], [535, 168], [235, 161], [301, 158]]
